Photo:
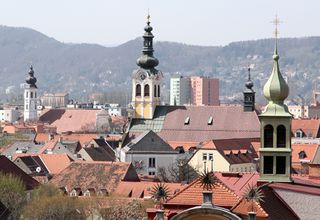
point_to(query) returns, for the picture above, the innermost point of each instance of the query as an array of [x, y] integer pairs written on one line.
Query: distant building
[[299, 111], [180, 90], [55, 100], [204, 91], [30, 97], [195, 90], [9, 115]]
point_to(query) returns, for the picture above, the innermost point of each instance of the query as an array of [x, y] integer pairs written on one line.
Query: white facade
[[180, 93], [299, 111], [149, 164], [30, 103], [9, 115]]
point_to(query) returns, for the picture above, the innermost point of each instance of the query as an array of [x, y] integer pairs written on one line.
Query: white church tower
[[30, 97]]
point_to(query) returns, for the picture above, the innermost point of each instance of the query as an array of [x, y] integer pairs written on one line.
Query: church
[[184, 126]]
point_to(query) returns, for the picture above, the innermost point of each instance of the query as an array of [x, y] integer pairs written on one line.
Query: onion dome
[[147, 60], [249, 83], [31, 80], [276, 89]]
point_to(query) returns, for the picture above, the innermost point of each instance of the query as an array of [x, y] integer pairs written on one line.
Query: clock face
[[142, 76]]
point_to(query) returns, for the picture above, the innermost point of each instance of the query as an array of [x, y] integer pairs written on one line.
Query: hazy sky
[[199, 22]]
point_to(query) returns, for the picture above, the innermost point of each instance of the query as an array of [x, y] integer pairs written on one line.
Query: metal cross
[[276, 23]]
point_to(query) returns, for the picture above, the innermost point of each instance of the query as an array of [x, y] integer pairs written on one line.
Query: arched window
[[158, 90], [281, 136], [31, 94], [268, 136], [138, 90], [146, 90], [155, 91]]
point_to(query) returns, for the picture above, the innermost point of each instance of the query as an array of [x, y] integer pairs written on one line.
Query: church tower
[[146, 80], [275, 150], [30, 97], [249, 95]]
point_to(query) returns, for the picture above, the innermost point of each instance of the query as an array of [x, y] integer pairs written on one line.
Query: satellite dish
[[38, 169]]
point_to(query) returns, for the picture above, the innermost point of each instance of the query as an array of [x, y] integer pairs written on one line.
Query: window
[[302, 155], [27, 94], [155, 91], [210, 120], [152, 173], [27, 106], [204, 156], [210, 156], [35, 94], [268, 136], [152, 162], [138, 90], [281, 165], [146, 90], [158, 91], [299, 134], [281, 136], [268, 165], [31, 94]]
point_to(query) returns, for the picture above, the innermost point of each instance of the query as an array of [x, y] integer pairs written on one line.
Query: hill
[[83, 69]]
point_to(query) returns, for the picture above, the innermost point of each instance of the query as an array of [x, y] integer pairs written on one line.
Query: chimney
[[207, 199], [60, 139], [252, 215], [159, 214]]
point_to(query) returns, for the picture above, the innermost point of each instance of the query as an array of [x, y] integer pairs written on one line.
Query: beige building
[[55, 100], [233, 155], [204, 91]]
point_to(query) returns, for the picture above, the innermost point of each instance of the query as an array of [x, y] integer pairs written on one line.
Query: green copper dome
[[276, 89]]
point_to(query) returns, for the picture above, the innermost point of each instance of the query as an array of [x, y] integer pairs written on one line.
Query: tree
[[47, 202], [178, 171], [12, 193], [119, 211]]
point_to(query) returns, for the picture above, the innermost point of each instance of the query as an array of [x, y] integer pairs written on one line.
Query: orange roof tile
[[185, 144], [42, 137], [55, 163], [309, 149], [256, 146], [95, 174], [49, 145], [308, 126], [192, 195], [143, 189]]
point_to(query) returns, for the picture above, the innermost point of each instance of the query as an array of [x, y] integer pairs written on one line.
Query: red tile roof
[[192, 195], [95, 174], [228, 122], [308, 126], [186, 145], [70, 119], [143, 189], [309, 150], [55, 163]]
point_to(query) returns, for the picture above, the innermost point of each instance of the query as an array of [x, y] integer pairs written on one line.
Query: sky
[[196, 22]]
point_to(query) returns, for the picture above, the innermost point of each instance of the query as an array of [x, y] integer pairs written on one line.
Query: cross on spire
[[148, 17], [276, 23]]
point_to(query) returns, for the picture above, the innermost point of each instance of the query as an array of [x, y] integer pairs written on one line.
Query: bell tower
[[249, 95], [30, 97], [275, 122], [146, 80]]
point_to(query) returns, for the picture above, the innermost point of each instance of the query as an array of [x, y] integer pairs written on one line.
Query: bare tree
[[180, 171]]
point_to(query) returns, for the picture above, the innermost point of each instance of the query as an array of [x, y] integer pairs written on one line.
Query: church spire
[[276, 90], [147, 60], [31, 80], [249, 95]]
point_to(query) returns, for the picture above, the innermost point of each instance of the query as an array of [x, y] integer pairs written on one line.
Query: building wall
[[299, 111], [180, 93], [218, 164], [30, 104], [243, 167], [161, 160], [204, 91], [9, 115], [55, 100]]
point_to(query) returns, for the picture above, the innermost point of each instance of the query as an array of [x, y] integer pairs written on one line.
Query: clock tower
[[146, 80], [30, 97]]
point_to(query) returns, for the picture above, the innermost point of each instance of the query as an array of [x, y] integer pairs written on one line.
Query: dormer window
[[302, 155], [187, 121], [210, 120], [299, 134]]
